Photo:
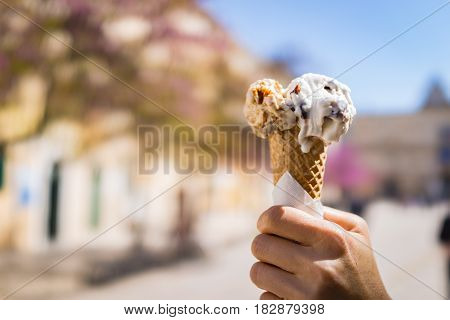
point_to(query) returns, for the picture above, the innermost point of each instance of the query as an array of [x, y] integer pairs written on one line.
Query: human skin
[[304, 257]]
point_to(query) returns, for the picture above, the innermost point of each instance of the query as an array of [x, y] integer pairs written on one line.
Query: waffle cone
[[306, 168]]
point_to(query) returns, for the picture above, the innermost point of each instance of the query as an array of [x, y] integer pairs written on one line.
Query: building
[[67, 162], [408, 153]]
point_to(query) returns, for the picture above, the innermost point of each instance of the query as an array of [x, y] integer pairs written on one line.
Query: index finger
[[294, 224]]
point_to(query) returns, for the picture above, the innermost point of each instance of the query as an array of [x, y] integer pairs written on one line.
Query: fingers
[[269, 296], [285, 254], [293, 224], [281, 283], [348, 221]]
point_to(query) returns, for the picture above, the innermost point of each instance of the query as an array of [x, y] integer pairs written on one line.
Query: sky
[[330, 36]]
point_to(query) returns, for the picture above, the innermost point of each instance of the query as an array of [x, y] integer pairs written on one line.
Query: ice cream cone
[[300, 121], [306, 168]]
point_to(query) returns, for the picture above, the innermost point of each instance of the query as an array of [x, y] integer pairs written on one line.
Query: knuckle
[[275, 215], [270, 218], [361, 223], [261, 224], [326, 276], [255, 272], [259, 245], [338, 239]]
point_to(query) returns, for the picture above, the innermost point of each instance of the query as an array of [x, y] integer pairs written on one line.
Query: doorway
[[54, 185]]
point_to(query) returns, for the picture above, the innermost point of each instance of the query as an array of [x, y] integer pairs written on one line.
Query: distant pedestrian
[[444, 238]]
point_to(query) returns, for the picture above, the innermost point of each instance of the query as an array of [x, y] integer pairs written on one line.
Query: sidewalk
[[221, 275], [17, 269]]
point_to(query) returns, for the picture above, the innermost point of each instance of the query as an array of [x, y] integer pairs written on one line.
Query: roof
[[436, 97]]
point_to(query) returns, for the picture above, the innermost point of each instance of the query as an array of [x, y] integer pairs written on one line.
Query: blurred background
[[69, 110]]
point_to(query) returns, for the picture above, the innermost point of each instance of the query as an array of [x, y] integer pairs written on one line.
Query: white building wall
[[75, 204]]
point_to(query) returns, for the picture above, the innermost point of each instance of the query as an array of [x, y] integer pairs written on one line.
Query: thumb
[[348, 221]]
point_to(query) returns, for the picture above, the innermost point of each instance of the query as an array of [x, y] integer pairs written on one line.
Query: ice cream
[[300, 122], [320, 106], [323, 107], [265, 108]]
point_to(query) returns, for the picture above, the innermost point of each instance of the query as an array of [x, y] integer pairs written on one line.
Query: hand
[[305, 257]]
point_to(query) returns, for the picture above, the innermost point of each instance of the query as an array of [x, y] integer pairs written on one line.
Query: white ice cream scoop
[[323, 107]]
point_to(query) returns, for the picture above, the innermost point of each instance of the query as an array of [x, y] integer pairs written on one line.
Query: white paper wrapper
[[289, 192]]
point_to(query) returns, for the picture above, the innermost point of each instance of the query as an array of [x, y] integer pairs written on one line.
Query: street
[[411, 263]]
